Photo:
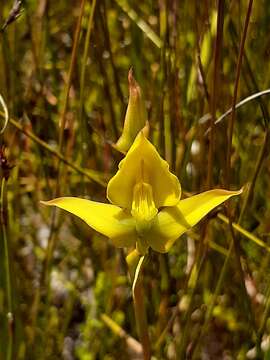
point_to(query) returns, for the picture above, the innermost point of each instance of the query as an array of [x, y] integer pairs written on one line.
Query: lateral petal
[[172, 222], [107, 219]]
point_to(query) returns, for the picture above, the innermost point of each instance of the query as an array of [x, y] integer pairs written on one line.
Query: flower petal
[[107, 219], [165, 186], [136, 116], [172, 222]]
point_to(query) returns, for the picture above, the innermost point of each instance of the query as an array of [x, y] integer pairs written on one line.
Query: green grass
[[63, 78]]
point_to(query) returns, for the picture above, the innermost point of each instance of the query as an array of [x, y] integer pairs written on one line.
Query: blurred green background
[[63, 77]]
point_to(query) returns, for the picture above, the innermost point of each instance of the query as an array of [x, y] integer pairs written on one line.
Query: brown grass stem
[[9, 314], [83, 70], [228, 165], [259, 162], [89, 174], [235, 93], [62, 122], [215, 88], [213, 300], [107, 43], [196, 270]]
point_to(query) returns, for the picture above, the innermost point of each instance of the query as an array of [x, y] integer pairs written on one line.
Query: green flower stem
[[7, 271], [141, 318], [135, 261]]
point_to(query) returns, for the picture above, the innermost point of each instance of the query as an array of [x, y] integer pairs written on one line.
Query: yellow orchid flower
[[145, 210]]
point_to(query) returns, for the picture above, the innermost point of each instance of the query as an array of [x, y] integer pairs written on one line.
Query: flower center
[[143, 205]]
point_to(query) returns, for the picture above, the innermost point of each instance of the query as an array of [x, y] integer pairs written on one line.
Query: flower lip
[[143, 207]]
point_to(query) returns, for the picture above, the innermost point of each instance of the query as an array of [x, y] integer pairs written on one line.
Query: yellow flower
[[145, 210]]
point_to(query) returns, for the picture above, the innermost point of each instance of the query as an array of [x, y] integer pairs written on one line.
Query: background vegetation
[[63, 76]]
